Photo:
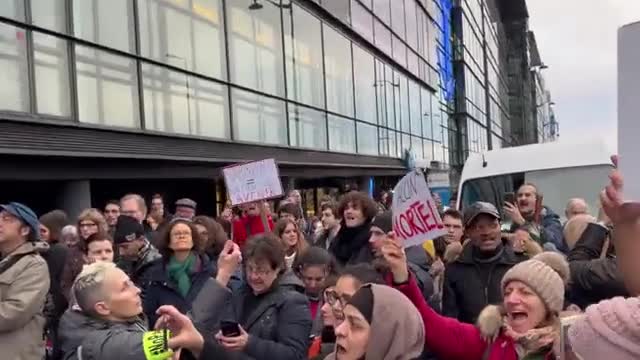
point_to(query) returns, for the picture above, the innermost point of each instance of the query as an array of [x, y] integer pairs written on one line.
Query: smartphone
[[510, 198], [230, 328]]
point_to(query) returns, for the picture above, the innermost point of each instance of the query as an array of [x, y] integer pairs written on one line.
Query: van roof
[[552, 155]]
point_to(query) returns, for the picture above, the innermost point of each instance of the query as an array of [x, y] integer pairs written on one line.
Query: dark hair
[[157, 196], [54, 221], [316, 256], [361, 200], [164, 238], [452, 213], [112, 202], [363, 273], [281, 226], [265, 247], [440, 245], [216, 235], [99, 236], [226, 226], [331, 205], [292, 209]]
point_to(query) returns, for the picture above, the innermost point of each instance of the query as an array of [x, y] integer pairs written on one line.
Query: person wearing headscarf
[[379, 324]]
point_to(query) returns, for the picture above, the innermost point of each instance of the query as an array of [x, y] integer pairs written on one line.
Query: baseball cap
[[127, 229], [25, 214], [479, 208], [186, 203]]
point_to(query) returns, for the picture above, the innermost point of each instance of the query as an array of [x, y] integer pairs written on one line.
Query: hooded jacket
[[454, 340], [550, 229], [397, 331], [24, 284]]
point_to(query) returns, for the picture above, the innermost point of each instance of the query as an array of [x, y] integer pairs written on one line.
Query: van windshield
[[556, 185]]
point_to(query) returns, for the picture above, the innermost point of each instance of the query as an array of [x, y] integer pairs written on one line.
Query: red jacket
[[251, 223], [451, 339]]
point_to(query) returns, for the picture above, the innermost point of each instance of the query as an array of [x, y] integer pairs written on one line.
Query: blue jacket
[[163, 291], [550, 230]]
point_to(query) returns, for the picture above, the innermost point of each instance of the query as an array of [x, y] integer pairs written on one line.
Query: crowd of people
[[132, 281]]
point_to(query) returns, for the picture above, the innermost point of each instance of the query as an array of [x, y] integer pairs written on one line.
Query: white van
[[561, 170]]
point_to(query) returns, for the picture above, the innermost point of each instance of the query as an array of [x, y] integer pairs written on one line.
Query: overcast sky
[[578, 40]]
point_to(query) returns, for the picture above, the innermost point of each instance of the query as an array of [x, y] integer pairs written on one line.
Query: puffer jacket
[[451, 339], [24, 284]]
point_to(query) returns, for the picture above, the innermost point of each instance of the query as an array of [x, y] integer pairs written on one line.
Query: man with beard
[[543, 225]]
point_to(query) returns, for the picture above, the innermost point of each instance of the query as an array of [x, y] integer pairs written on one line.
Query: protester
[[158, 208], [383, 202], [576, 206], [186, 209], [291, 211], [98, 247], [525, 326], [380, 323], [212, 236], [313, 267], [539, 220], [330, 225], [452, 221], [70, 236], [575, 227], [252, 223], [350, 280], [91, 221], [136, 252], [275, 321], [323, 330], [351, 244], [292, 239], [473, 281], [133, 205], [111, 213], [24, 284]]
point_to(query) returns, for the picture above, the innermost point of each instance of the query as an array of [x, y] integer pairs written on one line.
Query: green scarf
[[179, 273]]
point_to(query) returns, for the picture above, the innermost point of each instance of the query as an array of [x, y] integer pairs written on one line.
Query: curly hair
[[216, 234], [95, 216], [359, 200], [164, 239], [281, 226]]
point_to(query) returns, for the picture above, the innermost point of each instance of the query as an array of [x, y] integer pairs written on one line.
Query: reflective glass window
[[381, 97], [258, 118], [416, 145], [365, 85], [427, 118], [13, 9], [406, 142], [51, 75], [391, 90], [414, 108], [412, 63], [412, 23], [403, 104], [399, 51], [338, 8], [342, 134], [255, 47], [307, 127], [382, 9], [361, 20], [14, 89], [338, 72], [367, 139], [108, 23], [107, 88], [50, 14], [428, 148], [303, 45], [397, 17], [383, 37], [187, 34], [177, 103]]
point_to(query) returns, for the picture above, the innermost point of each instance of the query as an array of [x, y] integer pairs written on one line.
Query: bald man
[[576, 206]]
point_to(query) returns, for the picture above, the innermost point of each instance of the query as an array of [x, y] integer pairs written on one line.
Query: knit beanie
[[608, 330], [543, 275], [384, 221]]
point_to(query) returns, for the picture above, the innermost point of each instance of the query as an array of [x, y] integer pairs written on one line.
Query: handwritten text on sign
[[253, 181], [415, 215]]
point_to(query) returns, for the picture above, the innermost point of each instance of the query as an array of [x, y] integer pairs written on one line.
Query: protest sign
[[254, 181], [415, 215], [629, 108]]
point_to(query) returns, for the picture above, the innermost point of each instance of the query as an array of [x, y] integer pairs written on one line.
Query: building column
[[75, 197]]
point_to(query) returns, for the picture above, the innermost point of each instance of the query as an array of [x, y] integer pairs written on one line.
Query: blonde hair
[[141, 203], [87, 287], [281, 226], [96, 216], [574, 228]]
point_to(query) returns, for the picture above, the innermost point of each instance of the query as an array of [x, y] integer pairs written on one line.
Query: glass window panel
[[381, 98], [107, 88], [383, 37], [427, 114], [391, 89], [361, 20], [416, 145], [258, 118], [177, 103], [428, 150], [338, 72], [13, 9], [51, 75], [367, 139], [50, 14], [412, 23], [342, 134], [189, 37], [255, 45], [397, 17], [307, 127], [414, 108], [384, 141], [405, 123], [398, 146], [399, 52], [368, 3], [406, 143], [339, 9], [14, 89], [412, 63], [383, 10], [365, 85], [108, 23], [303, 44]]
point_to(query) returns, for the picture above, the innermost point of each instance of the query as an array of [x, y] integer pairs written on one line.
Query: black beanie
[[384, 221], [363, 301]]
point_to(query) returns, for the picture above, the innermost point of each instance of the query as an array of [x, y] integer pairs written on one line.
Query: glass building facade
[[345, 76]]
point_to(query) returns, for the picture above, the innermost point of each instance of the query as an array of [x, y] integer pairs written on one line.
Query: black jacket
[[350, 246], [279, 326], [469, 285], [141, 269], [593, 279], [162, 290]]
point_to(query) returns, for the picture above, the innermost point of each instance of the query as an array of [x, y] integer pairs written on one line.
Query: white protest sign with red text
[[415, 215]]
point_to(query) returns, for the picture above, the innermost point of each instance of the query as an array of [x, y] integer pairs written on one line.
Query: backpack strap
[[10, 262]]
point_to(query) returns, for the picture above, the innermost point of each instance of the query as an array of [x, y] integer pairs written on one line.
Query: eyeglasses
[[259, 271], [87, 225]]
